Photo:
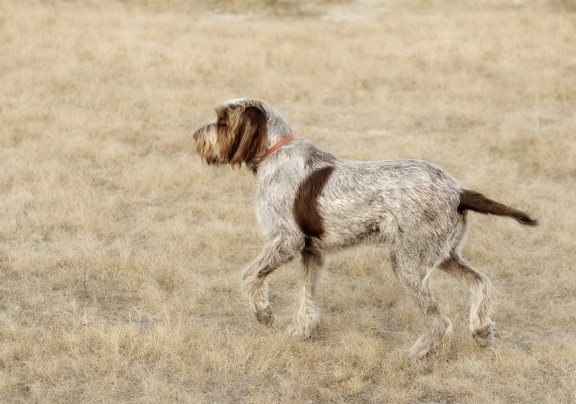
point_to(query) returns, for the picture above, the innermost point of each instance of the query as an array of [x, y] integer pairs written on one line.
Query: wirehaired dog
[[310, 202]]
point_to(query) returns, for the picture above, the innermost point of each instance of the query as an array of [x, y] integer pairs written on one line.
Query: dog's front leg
[[307, 315], [274, 254]]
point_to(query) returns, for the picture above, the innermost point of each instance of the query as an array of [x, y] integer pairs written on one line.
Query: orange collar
[[275, 148]]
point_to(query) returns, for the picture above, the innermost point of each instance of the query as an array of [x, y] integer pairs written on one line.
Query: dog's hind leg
[[481, 326], [307, 315], [277, 252], [414, 276]]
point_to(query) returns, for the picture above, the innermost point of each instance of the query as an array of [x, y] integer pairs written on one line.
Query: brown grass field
[[120, 252]]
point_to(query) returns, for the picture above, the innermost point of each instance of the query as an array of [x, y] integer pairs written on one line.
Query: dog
[[310, 203]]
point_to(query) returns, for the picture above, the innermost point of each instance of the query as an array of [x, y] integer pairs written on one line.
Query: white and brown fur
[[310, 202]]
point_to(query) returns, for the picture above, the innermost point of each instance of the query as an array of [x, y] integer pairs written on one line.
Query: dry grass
[[120, 252]]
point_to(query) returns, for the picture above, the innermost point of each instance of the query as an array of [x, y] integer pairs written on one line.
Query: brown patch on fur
[[306, 203], [472, 200], [433, 310], [241, 134], [265, 271], [429, 215]]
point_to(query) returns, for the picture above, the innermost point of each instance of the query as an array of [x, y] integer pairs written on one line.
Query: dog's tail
[[472, 200]]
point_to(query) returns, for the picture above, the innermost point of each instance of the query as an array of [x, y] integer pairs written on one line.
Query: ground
[[120, 252]]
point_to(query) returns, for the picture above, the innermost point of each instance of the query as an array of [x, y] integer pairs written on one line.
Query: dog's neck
[[272, 149], [277, 127]]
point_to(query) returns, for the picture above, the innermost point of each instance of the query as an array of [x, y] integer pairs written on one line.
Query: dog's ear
[[247, 126]]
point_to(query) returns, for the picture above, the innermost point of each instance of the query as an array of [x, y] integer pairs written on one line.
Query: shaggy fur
[[309, 202]]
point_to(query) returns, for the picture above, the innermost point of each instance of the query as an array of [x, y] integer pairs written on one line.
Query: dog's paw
[[302, 332], [484, 335], [265, 316], [296, 333]]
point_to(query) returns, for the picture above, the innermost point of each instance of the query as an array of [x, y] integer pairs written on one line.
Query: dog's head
[[238, 135]]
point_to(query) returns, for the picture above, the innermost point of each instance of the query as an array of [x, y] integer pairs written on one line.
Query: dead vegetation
[[120, 252]]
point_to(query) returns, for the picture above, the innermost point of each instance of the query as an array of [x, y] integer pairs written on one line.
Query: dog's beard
[[207, 146]]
